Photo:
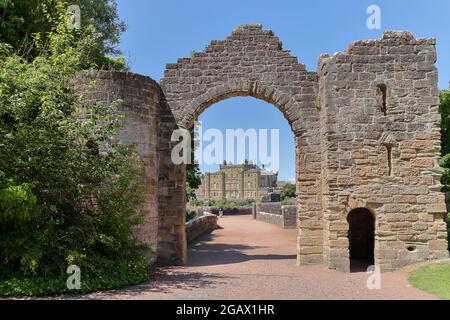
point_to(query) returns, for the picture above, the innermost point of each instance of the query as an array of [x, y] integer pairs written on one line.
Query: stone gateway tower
[[367, 134]]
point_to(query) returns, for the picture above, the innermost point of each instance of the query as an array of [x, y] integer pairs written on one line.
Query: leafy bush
[[65, 198], [444, 109], [109, 275], [288, 191], [227, 204], [289, 201], [448, 230], [445, 131], [190, 215]]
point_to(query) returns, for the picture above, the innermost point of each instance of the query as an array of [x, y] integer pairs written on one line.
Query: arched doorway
[[249, 63], [361, 237]]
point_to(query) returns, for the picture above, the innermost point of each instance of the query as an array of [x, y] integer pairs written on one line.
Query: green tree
[[193, 175], [24, 21], [444, 108], [445, 132], [64, 197], [288, 191]]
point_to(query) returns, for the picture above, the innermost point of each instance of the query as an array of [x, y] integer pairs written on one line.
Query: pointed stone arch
[[250, 62]]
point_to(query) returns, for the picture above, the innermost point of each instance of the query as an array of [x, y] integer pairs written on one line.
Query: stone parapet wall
[[269, 207], [277, 214], [276, 219], [200, 226], [234, 211], [289, 213]]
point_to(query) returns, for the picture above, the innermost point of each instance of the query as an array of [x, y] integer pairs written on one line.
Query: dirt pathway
[[249, 259]]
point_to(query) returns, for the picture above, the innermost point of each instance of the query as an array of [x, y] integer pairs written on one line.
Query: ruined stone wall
[[252, 62], [140, 104], [366, 129], [380, 144], [171, 195]]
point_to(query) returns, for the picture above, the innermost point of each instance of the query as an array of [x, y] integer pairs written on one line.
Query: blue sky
[[161, 31]]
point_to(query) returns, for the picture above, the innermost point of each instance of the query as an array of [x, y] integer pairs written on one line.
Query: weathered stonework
[[366, 129], [251, 62], [383, 158], [284, 216], [139, 97], [200, 226]]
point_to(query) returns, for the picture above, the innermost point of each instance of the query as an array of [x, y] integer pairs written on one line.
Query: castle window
[[389, 159], [381, 98]]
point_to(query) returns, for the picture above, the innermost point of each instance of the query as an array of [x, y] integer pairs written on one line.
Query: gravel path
[[249, 259]]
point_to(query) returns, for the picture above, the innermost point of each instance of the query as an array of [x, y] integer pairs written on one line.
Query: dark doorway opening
[[361, 237]]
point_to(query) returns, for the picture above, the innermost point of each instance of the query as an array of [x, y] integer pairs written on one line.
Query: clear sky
[[161, 31]]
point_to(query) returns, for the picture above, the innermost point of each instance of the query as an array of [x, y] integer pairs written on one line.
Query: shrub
[[288, 191], [228, 204], [65, 198], [289, 201], [444, 109], [190, 215], [448, 230]]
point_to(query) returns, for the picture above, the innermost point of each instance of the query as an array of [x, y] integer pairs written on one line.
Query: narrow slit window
[[389, 159], [381, 98]]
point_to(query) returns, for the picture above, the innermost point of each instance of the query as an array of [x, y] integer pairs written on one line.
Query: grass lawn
[[434, 279]]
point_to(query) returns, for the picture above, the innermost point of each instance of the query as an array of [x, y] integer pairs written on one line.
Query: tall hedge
[[69, 195]]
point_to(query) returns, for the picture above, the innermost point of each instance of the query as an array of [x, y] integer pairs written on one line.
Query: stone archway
[[354, 148], [250, 62]]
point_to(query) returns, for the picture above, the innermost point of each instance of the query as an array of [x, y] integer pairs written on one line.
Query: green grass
[[434, 279]]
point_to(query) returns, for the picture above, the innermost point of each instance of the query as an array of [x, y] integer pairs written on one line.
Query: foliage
[[65, 197], [23, 22], [445, 131], [193, 175], [317, 102], [445, 136], [227, 204], [190, 214], [289, 201], [448, 230], [434, 279], [288, 191], [109, 275], [243, 26]]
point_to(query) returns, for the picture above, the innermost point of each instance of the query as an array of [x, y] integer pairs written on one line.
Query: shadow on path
[[207, 253], [164, 280]]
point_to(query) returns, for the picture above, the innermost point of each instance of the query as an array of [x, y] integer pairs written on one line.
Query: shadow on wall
[[204, 253]]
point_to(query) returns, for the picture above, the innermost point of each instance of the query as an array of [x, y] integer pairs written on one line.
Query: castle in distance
[[237, 181]]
